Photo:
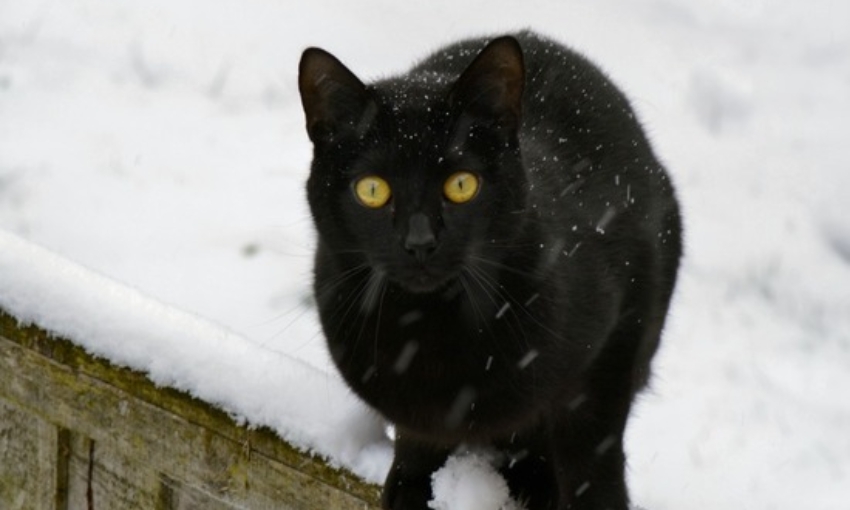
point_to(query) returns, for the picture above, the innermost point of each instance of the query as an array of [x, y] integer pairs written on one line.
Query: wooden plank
[[99, 477], [28, 449], [148, 447], [181, 497]]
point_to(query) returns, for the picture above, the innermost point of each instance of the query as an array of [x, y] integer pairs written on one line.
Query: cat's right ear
[[492, 85], [334, 99]]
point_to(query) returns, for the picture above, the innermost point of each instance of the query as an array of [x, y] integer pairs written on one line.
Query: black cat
[[497, 248]]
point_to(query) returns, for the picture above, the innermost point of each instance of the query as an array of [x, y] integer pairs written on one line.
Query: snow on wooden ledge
[[111, 399], [79, 432]]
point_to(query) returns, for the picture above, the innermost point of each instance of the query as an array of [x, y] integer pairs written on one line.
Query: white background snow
[[160, 144]]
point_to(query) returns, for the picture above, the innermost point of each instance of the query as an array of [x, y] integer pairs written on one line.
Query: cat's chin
[[424, 284]]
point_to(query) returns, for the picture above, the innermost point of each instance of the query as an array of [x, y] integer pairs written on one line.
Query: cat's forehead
[[413, 97], [417, 90], [414, 111]]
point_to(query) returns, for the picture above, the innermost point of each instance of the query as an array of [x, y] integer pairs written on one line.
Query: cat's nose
[[420, 240]]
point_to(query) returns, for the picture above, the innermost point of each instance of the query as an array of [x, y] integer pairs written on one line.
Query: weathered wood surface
[[79, 433]]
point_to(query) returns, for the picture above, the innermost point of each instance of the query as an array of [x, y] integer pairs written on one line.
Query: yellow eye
[[461, 187], [372, 191]]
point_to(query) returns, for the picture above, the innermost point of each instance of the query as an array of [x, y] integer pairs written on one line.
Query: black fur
[[528, 316]]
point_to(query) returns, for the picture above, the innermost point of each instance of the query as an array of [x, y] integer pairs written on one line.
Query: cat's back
[[551, 68]]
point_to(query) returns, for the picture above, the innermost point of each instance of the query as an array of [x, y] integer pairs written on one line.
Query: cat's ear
[[492, 85], [334, 99]]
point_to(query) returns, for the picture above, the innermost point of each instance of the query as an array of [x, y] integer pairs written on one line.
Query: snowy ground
[[161, 144]]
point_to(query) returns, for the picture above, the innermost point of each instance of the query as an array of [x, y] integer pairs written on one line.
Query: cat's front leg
[[408, 484], [589, 459]]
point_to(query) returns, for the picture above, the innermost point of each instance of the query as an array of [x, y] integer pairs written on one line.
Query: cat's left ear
[[334, 99], [492, 85]]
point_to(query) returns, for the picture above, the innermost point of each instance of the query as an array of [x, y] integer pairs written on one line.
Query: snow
[[152, 169], [469, 481]]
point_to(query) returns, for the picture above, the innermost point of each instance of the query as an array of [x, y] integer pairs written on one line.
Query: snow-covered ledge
[[109, 399]]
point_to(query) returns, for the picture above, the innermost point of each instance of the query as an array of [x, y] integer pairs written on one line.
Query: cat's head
[[421, 175]]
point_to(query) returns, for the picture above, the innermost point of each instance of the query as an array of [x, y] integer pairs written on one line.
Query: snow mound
[[469, 481]]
